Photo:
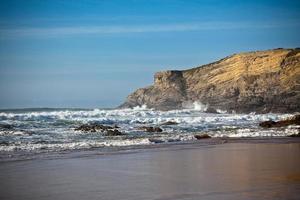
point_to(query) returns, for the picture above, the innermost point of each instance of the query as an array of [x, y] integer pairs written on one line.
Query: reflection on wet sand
[[227, 171]]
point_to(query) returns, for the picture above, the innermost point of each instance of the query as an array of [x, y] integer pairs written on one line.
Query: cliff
[[260, 81]]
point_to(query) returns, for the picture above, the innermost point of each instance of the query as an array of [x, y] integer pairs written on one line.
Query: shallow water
[[48, 130], [226, 171]]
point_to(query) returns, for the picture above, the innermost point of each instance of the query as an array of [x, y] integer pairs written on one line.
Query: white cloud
[[119, 29]]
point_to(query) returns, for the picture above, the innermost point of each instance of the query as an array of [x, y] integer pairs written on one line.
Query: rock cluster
[[260, 81], [295, 120], [108, 130], [150, 129], [202, 136], [6, 126]]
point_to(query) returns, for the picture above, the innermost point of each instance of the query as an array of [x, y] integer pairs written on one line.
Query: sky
[[92, 54]]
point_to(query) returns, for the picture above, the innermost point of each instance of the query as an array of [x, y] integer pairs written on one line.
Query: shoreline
[[236, 169], [101, 151]]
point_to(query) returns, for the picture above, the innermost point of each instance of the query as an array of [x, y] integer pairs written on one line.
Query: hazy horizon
[[92, 54]]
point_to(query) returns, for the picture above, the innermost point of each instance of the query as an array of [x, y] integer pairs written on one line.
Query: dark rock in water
[[267, 124], [150, 129], [203, 136], [211, 110], [155, 140], [295, 135], [6, 126], [113, 132], [173, 140], [93, 127], [259, 81], [295, 120], [86, 128], [3, 143], [169, 123], [108, 130]]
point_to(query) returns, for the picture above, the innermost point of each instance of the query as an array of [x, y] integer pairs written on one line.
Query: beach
[[232, 169], [149, 100]]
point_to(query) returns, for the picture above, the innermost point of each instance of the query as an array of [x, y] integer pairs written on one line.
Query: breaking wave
[[53, 130]]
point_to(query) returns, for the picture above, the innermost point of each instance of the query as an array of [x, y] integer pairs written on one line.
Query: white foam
[[191, 120], [196, 106], [74, 145], [221, 111], [138, 113], [143, 107], [247, 132], [200, 106], [12, 133]]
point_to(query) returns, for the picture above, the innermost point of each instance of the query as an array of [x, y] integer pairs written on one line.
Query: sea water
[[39, 130]]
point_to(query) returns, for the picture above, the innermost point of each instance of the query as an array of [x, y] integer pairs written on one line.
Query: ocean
[[35, 131]]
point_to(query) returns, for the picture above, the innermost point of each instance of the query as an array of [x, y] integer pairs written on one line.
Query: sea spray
[[196, 105], [54, 130]]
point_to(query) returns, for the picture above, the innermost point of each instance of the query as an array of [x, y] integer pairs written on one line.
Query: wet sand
[[234, 170]]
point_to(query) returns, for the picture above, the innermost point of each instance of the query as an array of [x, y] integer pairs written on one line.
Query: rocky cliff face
[[261, 81]]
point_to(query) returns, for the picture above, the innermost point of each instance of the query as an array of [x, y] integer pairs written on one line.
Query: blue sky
[[94, 53]]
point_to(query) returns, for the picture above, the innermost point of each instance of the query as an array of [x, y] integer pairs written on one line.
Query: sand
[[234, 170]]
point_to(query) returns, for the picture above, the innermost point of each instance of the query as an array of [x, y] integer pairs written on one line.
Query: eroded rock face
[[261, 81], [168, 92]]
